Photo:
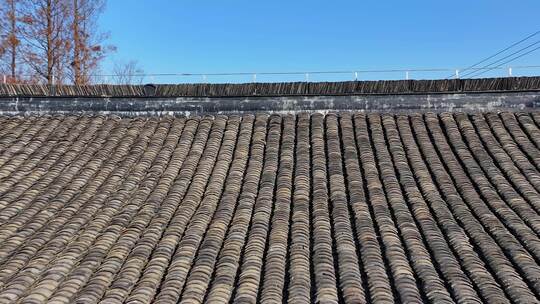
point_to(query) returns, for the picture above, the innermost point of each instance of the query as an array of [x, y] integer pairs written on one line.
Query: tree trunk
[[50, 50], [13, 39], [76, 44]]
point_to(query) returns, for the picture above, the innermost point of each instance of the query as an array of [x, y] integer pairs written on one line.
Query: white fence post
[[510, 71], [457, 74]]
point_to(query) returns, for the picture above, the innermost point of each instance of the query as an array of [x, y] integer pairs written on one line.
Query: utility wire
[[510, 60], [320, 72], [344, 72], [499, 52], [501, 59]]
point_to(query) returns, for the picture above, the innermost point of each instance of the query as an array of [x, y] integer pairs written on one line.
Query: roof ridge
[[275, 89]]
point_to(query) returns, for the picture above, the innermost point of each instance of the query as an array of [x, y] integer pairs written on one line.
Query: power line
[[284, 73], [503, 58], [352, 72], [499, 52], [303, 72], [508, 61]]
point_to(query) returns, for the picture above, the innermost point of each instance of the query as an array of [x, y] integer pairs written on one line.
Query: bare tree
[[45, 35], [9, 35], [128, 72], [88, 48], [51, 41]]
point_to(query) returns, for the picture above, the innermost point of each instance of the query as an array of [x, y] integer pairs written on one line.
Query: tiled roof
[[346, 207]]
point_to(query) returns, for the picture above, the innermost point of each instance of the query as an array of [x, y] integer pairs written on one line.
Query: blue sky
[[266, 36]]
